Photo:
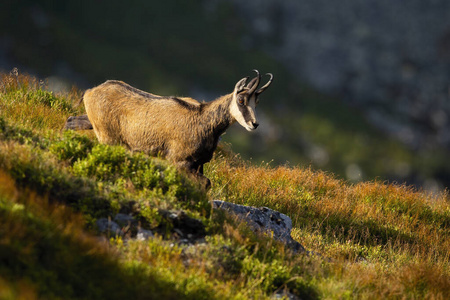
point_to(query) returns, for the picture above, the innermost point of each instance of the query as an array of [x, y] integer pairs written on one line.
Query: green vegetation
[[376, 240]]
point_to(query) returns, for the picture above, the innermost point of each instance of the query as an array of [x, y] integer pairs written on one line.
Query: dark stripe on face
[[245, 111]]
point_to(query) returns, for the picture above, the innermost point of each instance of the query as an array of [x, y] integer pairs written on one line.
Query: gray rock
[[263, 220], [78, 123], [124, 220], [284, 294], [184, 226], [105, 225], [123, 225]]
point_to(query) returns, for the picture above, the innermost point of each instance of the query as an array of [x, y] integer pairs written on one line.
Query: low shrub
[[72, 147]]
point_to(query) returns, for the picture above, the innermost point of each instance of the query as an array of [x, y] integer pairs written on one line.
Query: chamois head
[[245, 99]]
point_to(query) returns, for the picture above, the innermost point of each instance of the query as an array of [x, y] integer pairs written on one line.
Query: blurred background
[[361, 88]]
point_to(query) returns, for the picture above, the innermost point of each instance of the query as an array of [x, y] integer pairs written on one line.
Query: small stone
[[183, 225], [107, 226], [283, 294], [144, 234]]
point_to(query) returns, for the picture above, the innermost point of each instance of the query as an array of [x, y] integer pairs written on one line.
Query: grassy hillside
[[376, 240]]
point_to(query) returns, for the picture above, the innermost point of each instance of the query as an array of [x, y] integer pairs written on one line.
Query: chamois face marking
[[245, 99], [243, 108]]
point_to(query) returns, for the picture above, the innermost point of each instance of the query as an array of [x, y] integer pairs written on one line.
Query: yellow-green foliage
[[46, 253], [24, 100], [369, 240]]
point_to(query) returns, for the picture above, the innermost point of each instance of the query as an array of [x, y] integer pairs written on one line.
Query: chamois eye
[[241, 100]]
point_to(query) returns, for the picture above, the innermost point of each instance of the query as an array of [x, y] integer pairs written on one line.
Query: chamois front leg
[[200, 169], [196, 171], [204, 181]]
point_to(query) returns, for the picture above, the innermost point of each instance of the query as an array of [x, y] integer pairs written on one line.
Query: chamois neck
[[216, 114]]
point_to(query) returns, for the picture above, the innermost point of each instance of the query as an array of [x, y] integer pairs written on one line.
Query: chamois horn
[[262, 89], [253, 84]]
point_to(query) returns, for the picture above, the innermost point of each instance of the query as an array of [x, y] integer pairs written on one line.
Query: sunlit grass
[[390, 233]]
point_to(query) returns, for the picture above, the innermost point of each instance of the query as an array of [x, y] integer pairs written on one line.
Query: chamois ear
[[240, 85]]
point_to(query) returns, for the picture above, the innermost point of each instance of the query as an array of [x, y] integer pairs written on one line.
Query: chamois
[[180, 129]]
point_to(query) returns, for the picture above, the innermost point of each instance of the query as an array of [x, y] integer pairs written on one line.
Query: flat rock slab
[[263, 220], [78, 123]]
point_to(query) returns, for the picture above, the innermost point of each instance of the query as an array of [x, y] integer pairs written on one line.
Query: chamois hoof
[[207, 184], [203, 181]]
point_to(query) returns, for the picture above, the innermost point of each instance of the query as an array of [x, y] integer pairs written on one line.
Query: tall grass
[[25, 100], [371, 240], [396, 236]]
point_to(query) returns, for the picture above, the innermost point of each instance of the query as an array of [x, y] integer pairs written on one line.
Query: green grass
[[375, 240]]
